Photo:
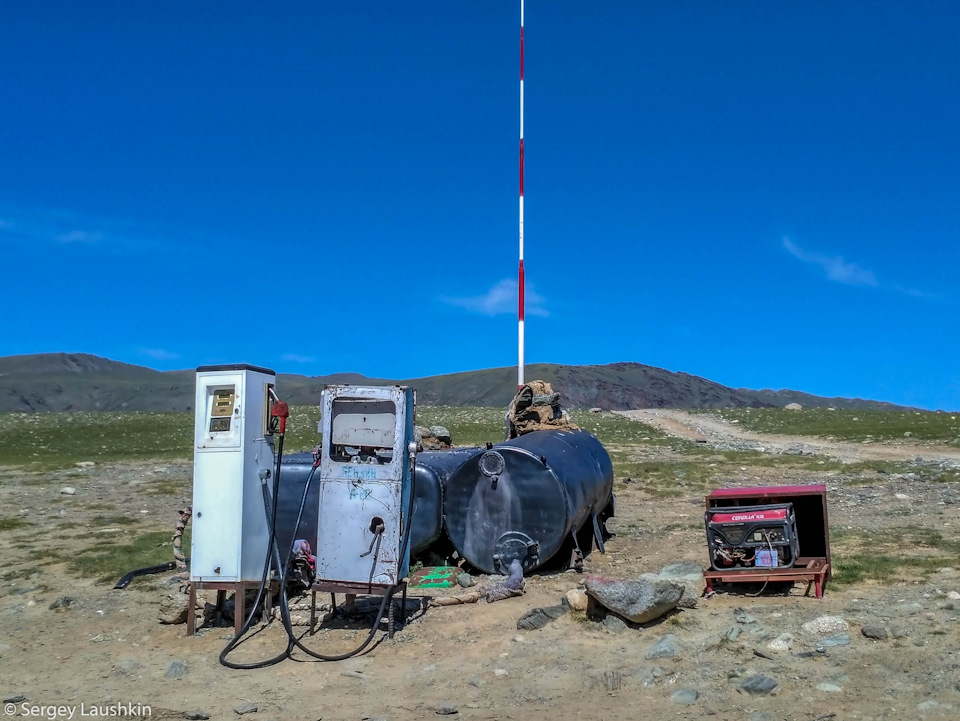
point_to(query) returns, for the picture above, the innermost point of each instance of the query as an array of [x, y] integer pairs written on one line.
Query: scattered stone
[[68, 491], [684, 696], [176, 669], [907, 434], [758, 685], [666, 647], [516, 639], [690, 574], [354, 674], [953, 595], [499, 672], [173, 608], [793, 407], [648, 675], [734, 633], [19, 698], [246, 708], [430, 667], [466, 580], [446, 708], [829, 687], [441, 434], [85, 464], [761, 716], [826, 625], [196, 715], [927, 706], [759, 653], [783, 642], [742, 617], [62, 602], [875, 631], [614, 623], [576, 599], [127, 668], [639, 601], [596, 410], [841, 639], [475, 681], [537, 618]]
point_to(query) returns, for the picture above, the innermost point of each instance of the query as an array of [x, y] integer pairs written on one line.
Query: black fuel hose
[[387, 598], [160, 568], [273, 551], [270, 510]]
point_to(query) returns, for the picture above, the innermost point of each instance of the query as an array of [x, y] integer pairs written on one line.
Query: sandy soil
[[108, 647]]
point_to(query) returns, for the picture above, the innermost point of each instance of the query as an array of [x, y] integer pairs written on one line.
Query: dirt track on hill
[[714, 431]]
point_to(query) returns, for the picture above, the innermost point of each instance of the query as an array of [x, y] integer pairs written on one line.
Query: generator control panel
[[365, 476]]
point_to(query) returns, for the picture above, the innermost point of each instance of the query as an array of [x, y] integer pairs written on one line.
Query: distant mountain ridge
[[83, 382]]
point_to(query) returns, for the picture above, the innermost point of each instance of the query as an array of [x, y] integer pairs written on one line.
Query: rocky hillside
[[81, 382]]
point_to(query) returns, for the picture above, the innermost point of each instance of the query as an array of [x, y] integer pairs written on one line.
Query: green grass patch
[[13, 523], [107, 521], [59, 440], [168, 487], [107, 564], [890, 556], [848, 425]]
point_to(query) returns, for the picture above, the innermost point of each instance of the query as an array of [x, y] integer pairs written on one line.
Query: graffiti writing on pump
[[360, 492], [355, 472]]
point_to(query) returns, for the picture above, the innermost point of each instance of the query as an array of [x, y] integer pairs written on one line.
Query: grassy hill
[[82, 382]]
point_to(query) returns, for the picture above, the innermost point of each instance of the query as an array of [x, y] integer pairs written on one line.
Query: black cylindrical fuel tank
[[432, 471], [294, 470], [524, 498]]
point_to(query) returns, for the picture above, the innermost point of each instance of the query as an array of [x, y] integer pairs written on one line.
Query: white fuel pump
[[233, 454]]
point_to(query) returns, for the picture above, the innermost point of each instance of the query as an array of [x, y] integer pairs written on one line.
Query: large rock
[[793, 407], [690, 574], [640, 601]]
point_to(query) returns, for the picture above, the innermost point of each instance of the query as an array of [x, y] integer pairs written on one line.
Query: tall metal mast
[[520, 280]]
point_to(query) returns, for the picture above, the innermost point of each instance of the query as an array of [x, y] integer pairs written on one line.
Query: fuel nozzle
[[282, 411]]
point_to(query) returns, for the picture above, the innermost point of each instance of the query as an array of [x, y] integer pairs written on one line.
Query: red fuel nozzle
[[282, 411]]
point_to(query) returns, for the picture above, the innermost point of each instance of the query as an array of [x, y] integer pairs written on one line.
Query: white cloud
[[834, 267], [79, 236], [159, 354], [501, 299], [297, 358]]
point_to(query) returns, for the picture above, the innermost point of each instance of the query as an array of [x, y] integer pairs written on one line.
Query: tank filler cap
[[515, 545], [492, 464]]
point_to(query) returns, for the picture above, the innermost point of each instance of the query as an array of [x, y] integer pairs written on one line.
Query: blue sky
[[764, 194]]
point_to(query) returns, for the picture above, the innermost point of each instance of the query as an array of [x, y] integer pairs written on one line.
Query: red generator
[[768, 534]]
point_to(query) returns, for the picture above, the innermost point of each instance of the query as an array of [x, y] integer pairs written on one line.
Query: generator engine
[[752, 536]]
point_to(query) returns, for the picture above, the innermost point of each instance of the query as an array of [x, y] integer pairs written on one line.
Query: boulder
[[441, 434], [826, 625], [690, 574], [576, 599], [793, 407], [640, 601]]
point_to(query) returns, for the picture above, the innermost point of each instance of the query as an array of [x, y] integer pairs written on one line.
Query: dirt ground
[[107, 646]]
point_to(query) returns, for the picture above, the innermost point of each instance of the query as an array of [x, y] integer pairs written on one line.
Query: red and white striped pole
[[521, 281]]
